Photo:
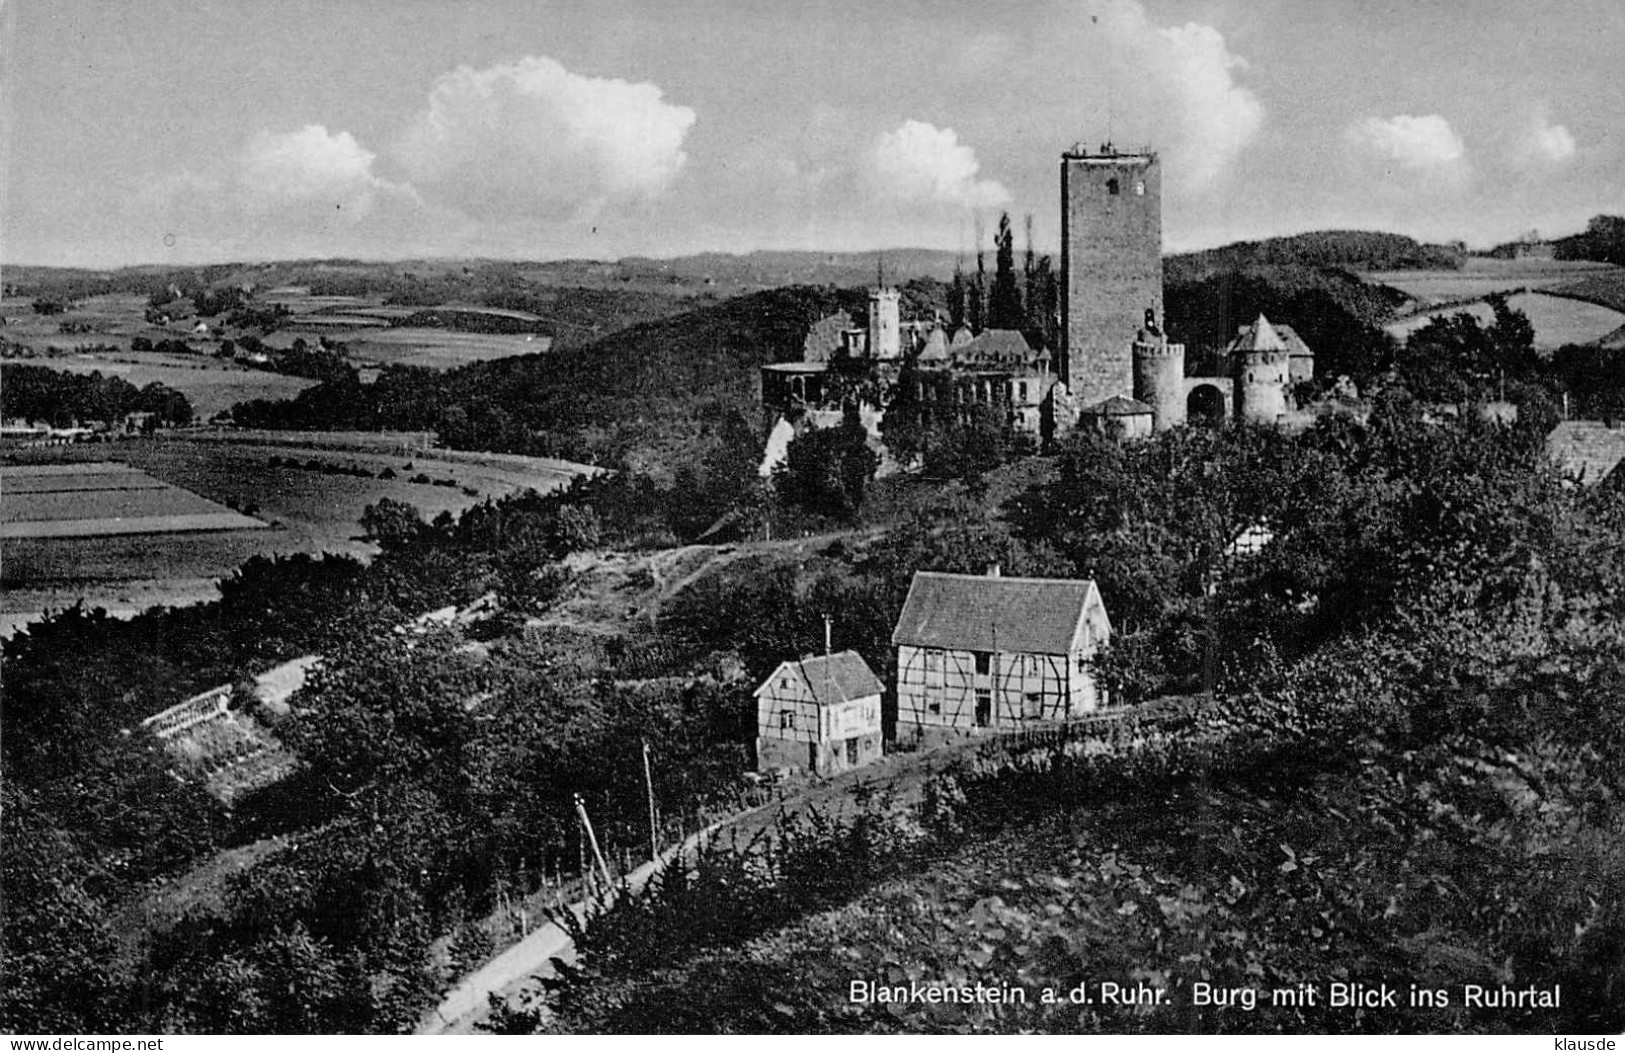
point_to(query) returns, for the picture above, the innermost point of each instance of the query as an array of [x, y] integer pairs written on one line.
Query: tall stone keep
[[1111, 265], [885, 326]]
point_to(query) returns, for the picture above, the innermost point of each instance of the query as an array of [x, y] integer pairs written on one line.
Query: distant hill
[[648, 391], [1354, 250]]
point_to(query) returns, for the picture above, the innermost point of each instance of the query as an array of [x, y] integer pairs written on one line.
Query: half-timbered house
[[979, 653], [819, 714]]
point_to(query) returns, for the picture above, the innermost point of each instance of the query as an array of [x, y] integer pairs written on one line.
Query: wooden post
[[592, 838], [649, 784]]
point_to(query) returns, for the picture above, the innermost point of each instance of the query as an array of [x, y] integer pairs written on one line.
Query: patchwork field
[[309, 489], [1558, 320], [101, 499], [439, 348], [1479, 277]]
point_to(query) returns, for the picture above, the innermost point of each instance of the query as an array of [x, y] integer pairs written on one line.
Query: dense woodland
[[1415, 688], [37, 393]]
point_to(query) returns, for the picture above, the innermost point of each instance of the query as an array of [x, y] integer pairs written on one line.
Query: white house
[[819, 714]]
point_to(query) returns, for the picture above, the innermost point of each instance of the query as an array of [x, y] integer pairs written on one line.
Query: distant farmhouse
[[819, 715], [1116, 371], [982, 653], [1529, 246], [1586, 452]]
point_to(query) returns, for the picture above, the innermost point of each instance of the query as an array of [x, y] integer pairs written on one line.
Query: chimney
[[994, 570]]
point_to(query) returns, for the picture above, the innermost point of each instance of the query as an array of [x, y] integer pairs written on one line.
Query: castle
[[1116, 370]]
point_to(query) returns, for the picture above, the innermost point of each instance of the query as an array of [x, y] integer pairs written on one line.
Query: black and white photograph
[[883, 517]]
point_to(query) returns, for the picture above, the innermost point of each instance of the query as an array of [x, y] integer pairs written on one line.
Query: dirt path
[[510, 974]]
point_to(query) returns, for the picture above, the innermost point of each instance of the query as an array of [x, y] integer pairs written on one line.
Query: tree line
[[37, 393]]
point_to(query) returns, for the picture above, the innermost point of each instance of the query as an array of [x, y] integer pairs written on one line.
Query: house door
[[852, 752], [812, 756], [984, 708]]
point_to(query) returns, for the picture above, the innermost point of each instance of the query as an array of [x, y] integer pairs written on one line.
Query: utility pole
[[592, 839], [649, 784]]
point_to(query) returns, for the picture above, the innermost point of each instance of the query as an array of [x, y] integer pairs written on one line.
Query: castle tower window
[[1112, 187]]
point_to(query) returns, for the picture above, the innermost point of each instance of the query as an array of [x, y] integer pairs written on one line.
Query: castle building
[[1117, 371], [1111, 265]]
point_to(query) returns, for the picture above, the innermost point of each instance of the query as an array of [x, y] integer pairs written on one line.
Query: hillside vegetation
[[1360, 250]]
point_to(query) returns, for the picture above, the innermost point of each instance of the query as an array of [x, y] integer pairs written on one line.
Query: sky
[[187, 131]]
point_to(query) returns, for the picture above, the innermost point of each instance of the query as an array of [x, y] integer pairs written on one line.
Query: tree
[[1004, 310], [976, 298], [391, 523], [957, 301], [827, 470]]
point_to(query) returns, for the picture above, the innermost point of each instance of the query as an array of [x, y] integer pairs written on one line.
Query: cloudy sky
[[196, 130]]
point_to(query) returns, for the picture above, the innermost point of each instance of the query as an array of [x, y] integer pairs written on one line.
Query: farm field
[[303, 497], [1480, 276], [1557, 320], [104, 498], [439, 348]]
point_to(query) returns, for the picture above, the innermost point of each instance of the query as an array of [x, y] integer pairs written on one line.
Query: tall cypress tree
[[976, 301], [956, 301], [1004, 303]]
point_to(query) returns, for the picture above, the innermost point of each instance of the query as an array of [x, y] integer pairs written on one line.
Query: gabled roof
[[830, 679], [1586, 450], [1001, 345], [1260, 336], [971, 612], [1118, 406], [1294, 343]]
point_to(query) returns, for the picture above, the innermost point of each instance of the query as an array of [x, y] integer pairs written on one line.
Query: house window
[[984, 662], [787, 720], [934, 707], [1139, 188], [1112, 188]]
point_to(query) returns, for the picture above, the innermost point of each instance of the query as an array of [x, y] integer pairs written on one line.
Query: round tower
[[1261, 385], [885, 336], [1159, 378]]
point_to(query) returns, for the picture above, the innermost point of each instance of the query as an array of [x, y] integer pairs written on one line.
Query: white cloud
[[1546, 144], [923, 164], [1416, 143], [1176, 85], [310, 166], [531, 139]]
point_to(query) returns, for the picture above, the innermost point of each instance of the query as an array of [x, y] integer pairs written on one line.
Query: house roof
[[1003, 345], [1294, 343], [1586, 450], [1118, 406], [1260, 336], [972, 612], [831, 679]]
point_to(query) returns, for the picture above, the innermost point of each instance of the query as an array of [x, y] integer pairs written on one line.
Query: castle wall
[[1111, 262]]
